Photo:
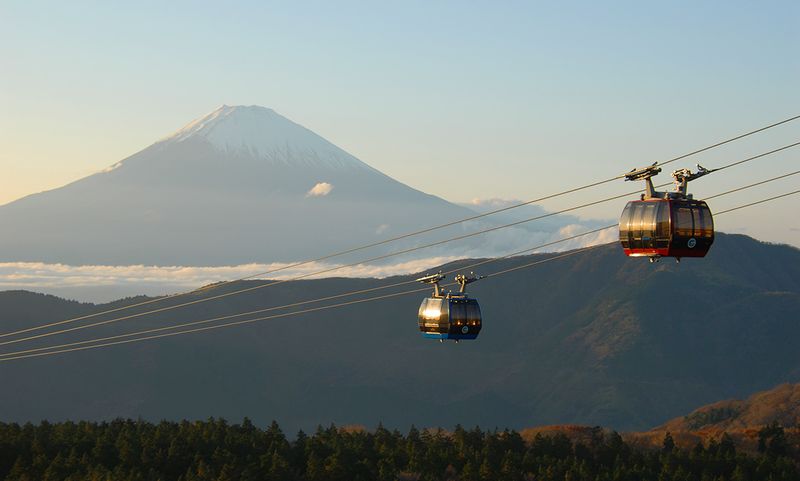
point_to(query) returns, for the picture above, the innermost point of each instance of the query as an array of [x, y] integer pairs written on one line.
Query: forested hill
[[214, 450], [766, 418], [593, 339], [778, 405]]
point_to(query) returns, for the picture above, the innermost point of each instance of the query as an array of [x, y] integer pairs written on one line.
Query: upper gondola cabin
[[666, 224]]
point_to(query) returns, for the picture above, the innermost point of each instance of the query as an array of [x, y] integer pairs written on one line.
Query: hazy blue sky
[[460, 99]]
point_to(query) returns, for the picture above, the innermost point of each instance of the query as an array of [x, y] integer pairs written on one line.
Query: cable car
[[453, 316], [666, 224]]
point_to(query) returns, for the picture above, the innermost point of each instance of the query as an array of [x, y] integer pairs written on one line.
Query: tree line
[[214, 450]]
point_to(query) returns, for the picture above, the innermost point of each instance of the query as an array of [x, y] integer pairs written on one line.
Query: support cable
[[296, 304], [336, 268], [310, 274], [392, 239], [68, 347]]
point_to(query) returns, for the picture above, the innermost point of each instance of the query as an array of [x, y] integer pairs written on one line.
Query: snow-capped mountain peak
[[261, 132], [239, 185]]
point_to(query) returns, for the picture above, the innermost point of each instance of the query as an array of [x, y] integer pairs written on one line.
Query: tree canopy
[[214, 450]]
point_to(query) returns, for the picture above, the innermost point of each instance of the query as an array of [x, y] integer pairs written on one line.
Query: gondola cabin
[[451, 316], [666, 224], [455, 318], [666, 228]]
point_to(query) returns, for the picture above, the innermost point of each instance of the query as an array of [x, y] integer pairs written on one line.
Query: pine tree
[[468, 472], [668, 445]]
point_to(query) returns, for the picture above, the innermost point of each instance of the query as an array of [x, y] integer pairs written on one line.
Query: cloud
[[106, 283], [570, 230], [320, 190], [102, 283], [493, 202]]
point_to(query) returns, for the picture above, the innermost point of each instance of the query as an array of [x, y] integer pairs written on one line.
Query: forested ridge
[[593, 340], [215, 450]]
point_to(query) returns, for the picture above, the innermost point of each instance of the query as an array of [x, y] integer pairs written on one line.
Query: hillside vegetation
[[214, 450], [592, 339], [745, 422]]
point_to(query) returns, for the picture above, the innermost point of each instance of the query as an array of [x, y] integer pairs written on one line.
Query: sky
[[464, 100]]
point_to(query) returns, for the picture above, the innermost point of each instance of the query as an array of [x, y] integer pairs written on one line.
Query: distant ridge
[[740, 421], [780, 404]]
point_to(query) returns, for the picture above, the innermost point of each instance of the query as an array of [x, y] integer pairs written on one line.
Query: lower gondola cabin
[[666, 228], [454, 318]]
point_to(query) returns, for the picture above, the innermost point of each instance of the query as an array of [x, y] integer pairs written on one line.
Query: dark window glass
[[624, 225], [662, 226], [648, 226], [473, 313], [703, 223], [697, 217], [636, 226], [458, 312], [683, 219]]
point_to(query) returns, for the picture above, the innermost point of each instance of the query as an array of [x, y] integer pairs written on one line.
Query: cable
[[296, 304], [758, 202], [732, 139], [755, 184], [325, 271], [359, 301], [758, 156], [343, 304], [381, 257], [14, 355], [275, 316], [392, 239]]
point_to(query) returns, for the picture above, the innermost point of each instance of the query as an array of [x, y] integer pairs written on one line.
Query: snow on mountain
[[263, 133]]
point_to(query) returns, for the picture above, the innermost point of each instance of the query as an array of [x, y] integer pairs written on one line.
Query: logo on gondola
[[692, 242], [464, 330]]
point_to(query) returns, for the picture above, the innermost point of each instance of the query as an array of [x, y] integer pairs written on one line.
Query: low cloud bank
[[100, 283], [106, 283]]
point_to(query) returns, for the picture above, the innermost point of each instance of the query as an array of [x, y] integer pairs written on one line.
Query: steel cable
[[392, 239], [33, 352]]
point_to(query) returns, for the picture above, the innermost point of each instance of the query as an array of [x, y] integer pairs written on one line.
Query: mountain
[[743, 421], [593, 339], [780, 404], [240, 185], [748, 422]]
